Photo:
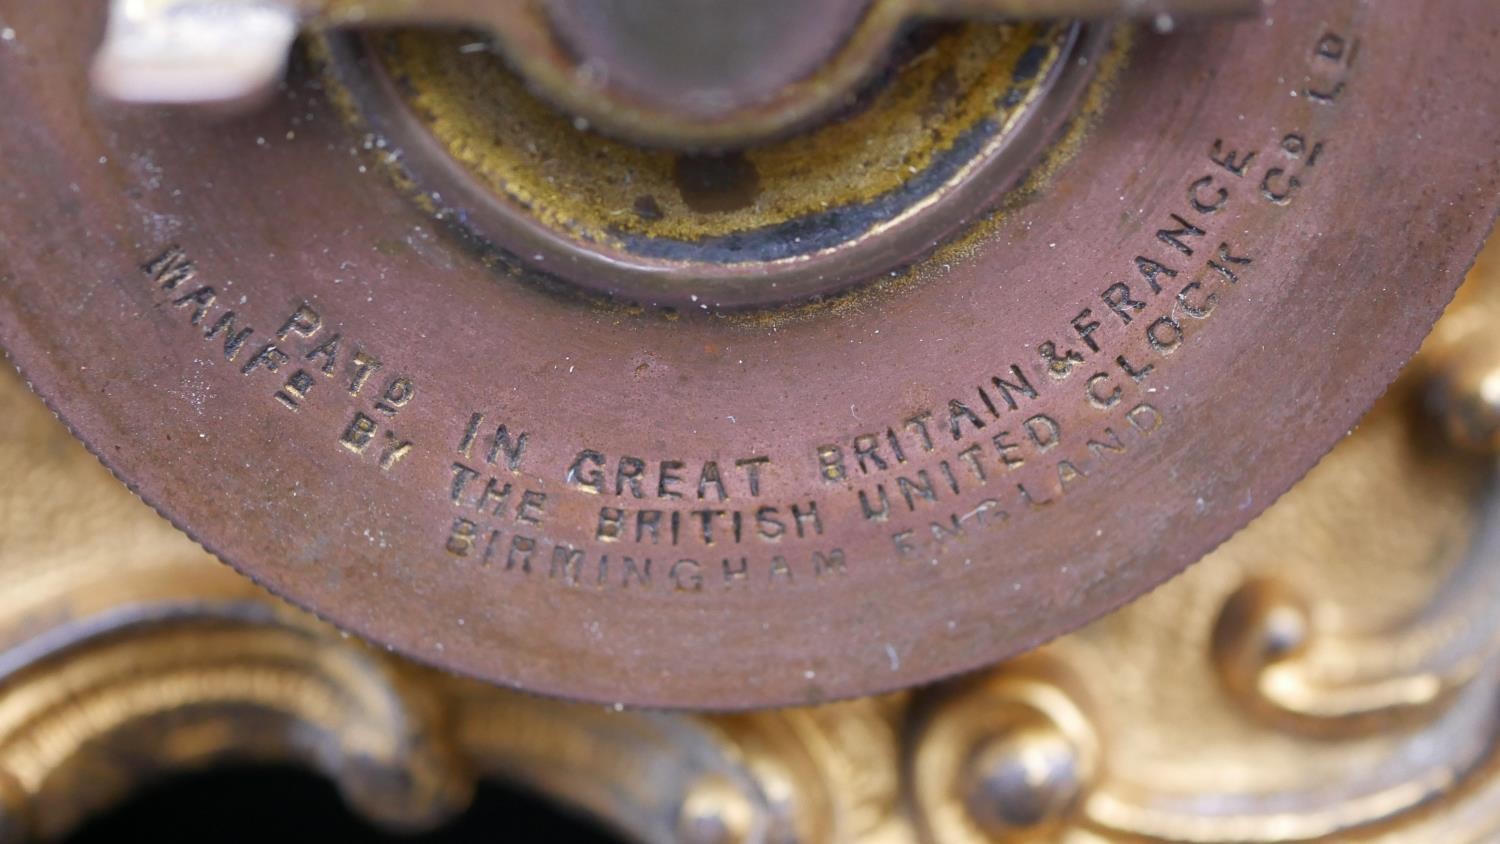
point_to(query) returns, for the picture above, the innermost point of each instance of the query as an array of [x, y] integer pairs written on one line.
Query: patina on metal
[[962, 116], [451, 450], [1328, 674], [690, 74]]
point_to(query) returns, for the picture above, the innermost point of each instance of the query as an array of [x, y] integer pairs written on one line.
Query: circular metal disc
[[331, 392]]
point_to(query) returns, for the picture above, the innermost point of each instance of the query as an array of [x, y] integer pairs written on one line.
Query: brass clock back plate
[[327, 341]]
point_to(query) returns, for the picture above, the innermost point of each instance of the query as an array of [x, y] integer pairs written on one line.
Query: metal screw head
[[715, 811]]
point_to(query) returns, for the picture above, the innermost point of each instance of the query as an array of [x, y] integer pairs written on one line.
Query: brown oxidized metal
[[689, 74], [963, 113], [722, 73], [1357, 177]]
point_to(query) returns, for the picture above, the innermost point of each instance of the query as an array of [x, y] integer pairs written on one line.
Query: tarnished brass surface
[[1331, 673], [962, 115], [455, 447], [695, 74], [531, 153]]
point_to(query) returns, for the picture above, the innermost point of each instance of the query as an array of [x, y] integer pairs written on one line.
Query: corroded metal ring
[[963, 115], [448, 452]]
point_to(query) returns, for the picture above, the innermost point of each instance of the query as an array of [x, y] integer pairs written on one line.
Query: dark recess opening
[[283, 805]]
